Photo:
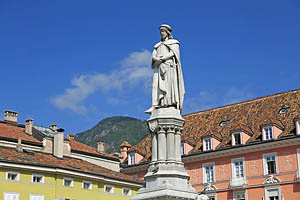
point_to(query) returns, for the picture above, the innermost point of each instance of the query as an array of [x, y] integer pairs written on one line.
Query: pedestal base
[[164, 193], [166, 180], [166, 177]]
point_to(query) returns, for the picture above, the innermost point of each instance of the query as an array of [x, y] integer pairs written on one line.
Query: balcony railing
[[238, 182], [298, 175]]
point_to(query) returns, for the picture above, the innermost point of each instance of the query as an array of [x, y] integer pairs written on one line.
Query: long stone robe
[[167, 86]]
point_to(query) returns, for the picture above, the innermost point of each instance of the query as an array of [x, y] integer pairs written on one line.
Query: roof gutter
[[248, 148], [31, 166]]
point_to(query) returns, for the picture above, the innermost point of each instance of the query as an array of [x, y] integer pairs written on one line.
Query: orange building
[[248, 150]]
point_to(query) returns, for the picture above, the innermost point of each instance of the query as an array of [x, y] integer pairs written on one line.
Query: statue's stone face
[[163, 34]]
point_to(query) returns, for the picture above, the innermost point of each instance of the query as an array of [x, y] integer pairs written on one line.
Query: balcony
[[298, 175], [238, 182]]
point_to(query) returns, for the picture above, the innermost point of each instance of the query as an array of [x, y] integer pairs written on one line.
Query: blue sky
[[76, 62]]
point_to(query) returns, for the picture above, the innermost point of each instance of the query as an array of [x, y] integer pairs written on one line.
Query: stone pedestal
[[166, 177]]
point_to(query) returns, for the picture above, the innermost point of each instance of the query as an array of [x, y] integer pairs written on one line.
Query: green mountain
[[113, 131]]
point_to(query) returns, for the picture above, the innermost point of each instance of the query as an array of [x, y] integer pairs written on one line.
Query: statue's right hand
[[156, 63]]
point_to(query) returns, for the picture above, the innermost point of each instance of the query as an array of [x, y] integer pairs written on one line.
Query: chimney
[[58, 145], [53, 127], [19, 147], [117, 154], [70, 136], [28, 126], [11, 116], [124, 147], [100, 146]]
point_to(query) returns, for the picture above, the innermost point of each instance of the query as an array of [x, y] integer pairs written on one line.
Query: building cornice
[[252, 147], [68, 173]]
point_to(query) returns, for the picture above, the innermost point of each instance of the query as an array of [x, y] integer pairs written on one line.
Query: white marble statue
[[167, 86]]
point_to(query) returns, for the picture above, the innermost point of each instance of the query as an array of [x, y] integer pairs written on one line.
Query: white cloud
[[235, 95], [135, 70]]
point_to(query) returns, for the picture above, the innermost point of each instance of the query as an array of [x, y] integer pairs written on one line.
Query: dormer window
[[298, 127], [283, 110], [268, 133], [131, 158], [224, 123], [236, 138], [207, 144]]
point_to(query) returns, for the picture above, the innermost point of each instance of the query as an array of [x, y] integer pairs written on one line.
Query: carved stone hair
[[170, 36]]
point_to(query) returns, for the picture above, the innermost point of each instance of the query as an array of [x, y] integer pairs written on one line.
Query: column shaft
[[161, 137], [154, 147], [171, 145], [177, 147]]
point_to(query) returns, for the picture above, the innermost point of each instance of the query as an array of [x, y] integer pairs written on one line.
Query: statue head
[[165, 31]]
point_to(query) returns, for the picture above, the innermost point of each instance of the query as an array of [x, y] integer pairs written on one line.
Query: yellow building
[[28, 171]]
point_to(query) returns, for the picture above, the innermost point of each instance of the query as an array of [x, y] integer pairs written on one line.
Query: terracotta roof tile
[[15, 132], [77, 146], [248, 116], [48, 160], [125, 144]]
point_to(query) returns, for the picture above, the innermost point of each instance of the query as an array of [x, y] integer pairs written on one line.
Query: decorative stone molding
[[202, 197], [153, 125], [271, 180], [209, 188]]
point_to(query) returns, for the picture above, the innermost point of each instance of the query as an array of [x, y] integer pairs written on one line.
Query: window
[[224, 123], [238, 168], [268, 133], [182, 149], [283, 110], [270, 163], [87, 185], [298, 127], [239, 195], [36, 197], [109, 188], [36, 178], [126, 192], [62, 199], [68, 182], [211, 197], [298, 156], [272, 193], [208, 172], [207, 144], [236, 139], [11, 196], [131, 159], [13, 176]]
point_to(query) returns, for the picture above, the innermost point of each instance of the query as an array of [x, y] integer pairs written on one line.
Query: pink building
[[248, 150]]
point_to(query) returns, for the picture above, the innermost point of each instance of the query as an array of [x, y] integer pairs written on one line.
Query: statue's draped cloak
[[173, 46]]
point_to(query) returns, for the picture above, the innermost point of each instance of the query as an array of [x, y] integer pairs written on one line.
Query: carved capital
[[170, 129], [161, 129], [178, 130]]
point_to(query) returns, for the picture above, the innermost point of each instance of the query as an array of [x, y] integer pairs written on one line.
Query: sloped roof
[[48, 160], [248, 116], [83, 148], [15, 132]]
